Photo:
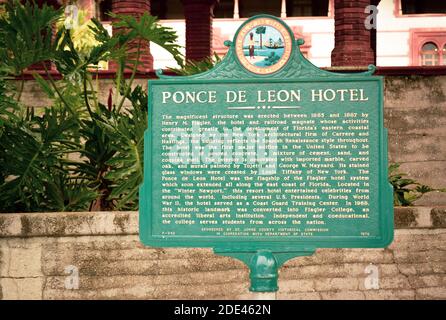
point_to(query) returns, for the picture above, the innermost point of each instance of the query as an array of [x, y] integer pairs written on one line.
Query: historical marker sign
[[266, 157]]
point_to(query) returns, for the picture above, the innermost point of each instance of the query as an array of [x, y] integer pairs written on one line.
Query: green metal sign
[[266, 157]]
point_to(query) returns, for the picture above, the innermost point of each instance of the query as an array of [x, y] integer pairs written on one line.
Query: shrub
[[76, 154]]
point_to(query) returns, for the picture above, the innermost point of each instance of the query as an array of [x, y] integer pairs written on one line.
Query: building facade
[[408, 32]]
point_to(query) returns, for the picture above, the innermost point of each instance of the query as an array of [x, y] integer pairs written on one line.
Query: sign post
[[266, 157]]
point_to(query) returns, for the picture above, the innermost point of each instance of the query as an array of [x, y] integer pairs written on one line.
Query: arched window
[[430, 55], [428, 47]]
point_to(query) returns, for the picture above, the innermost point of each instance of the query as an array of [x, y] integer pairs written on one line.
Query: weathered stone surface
[[337, 284], [417, 147], [415, 114], [426, 281], [334, 270], [113, 264], [395, 282], [299, 296], [438, 217], [412, 217], [21, 288], [343, 295], [20, 258], [431, 293], [334, 256], [68, 223], [420, 256], [293, 286], [389, 294], [421, 268], [418, 239], [422, 121], [411, 92]]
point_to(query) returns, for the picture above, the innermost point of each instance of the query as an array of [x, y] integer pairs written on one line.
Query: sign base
[[263, 265]]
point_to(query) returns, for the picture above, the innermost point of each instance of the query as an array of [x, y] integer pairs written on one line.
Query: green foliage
[[77, 154], [25, 35], [194, 67], [147, 28], [33, 159], [7, 104], [405, 190], [261, 30], [126, 167], [273, 58], [96, 151]]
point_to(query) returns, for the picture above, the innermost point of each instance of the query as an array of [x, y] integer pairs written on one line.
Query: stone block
[[389, 294], [292, 286], [298, 296], [20, 258], [343, 295], [431, 293], [21, 288]]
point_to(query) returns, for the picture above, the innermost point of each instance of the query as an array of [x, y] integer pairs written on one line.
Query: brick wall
[[353, 42], [198, 15], [36, 250]]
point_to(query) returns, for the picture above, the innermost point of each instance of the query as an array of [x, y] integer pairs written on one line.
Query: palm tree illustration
[[261, 30]]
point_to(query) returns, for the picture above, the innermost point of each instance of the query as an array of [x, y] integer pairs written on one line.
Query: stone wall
[[38, 251], [33, 95], [415, 115]]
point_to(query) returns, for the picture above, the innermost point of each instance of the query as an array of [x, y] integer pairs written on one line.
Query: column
[[236, 10], [283, 9], [198, 15], [352, 40], [134, 8]]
